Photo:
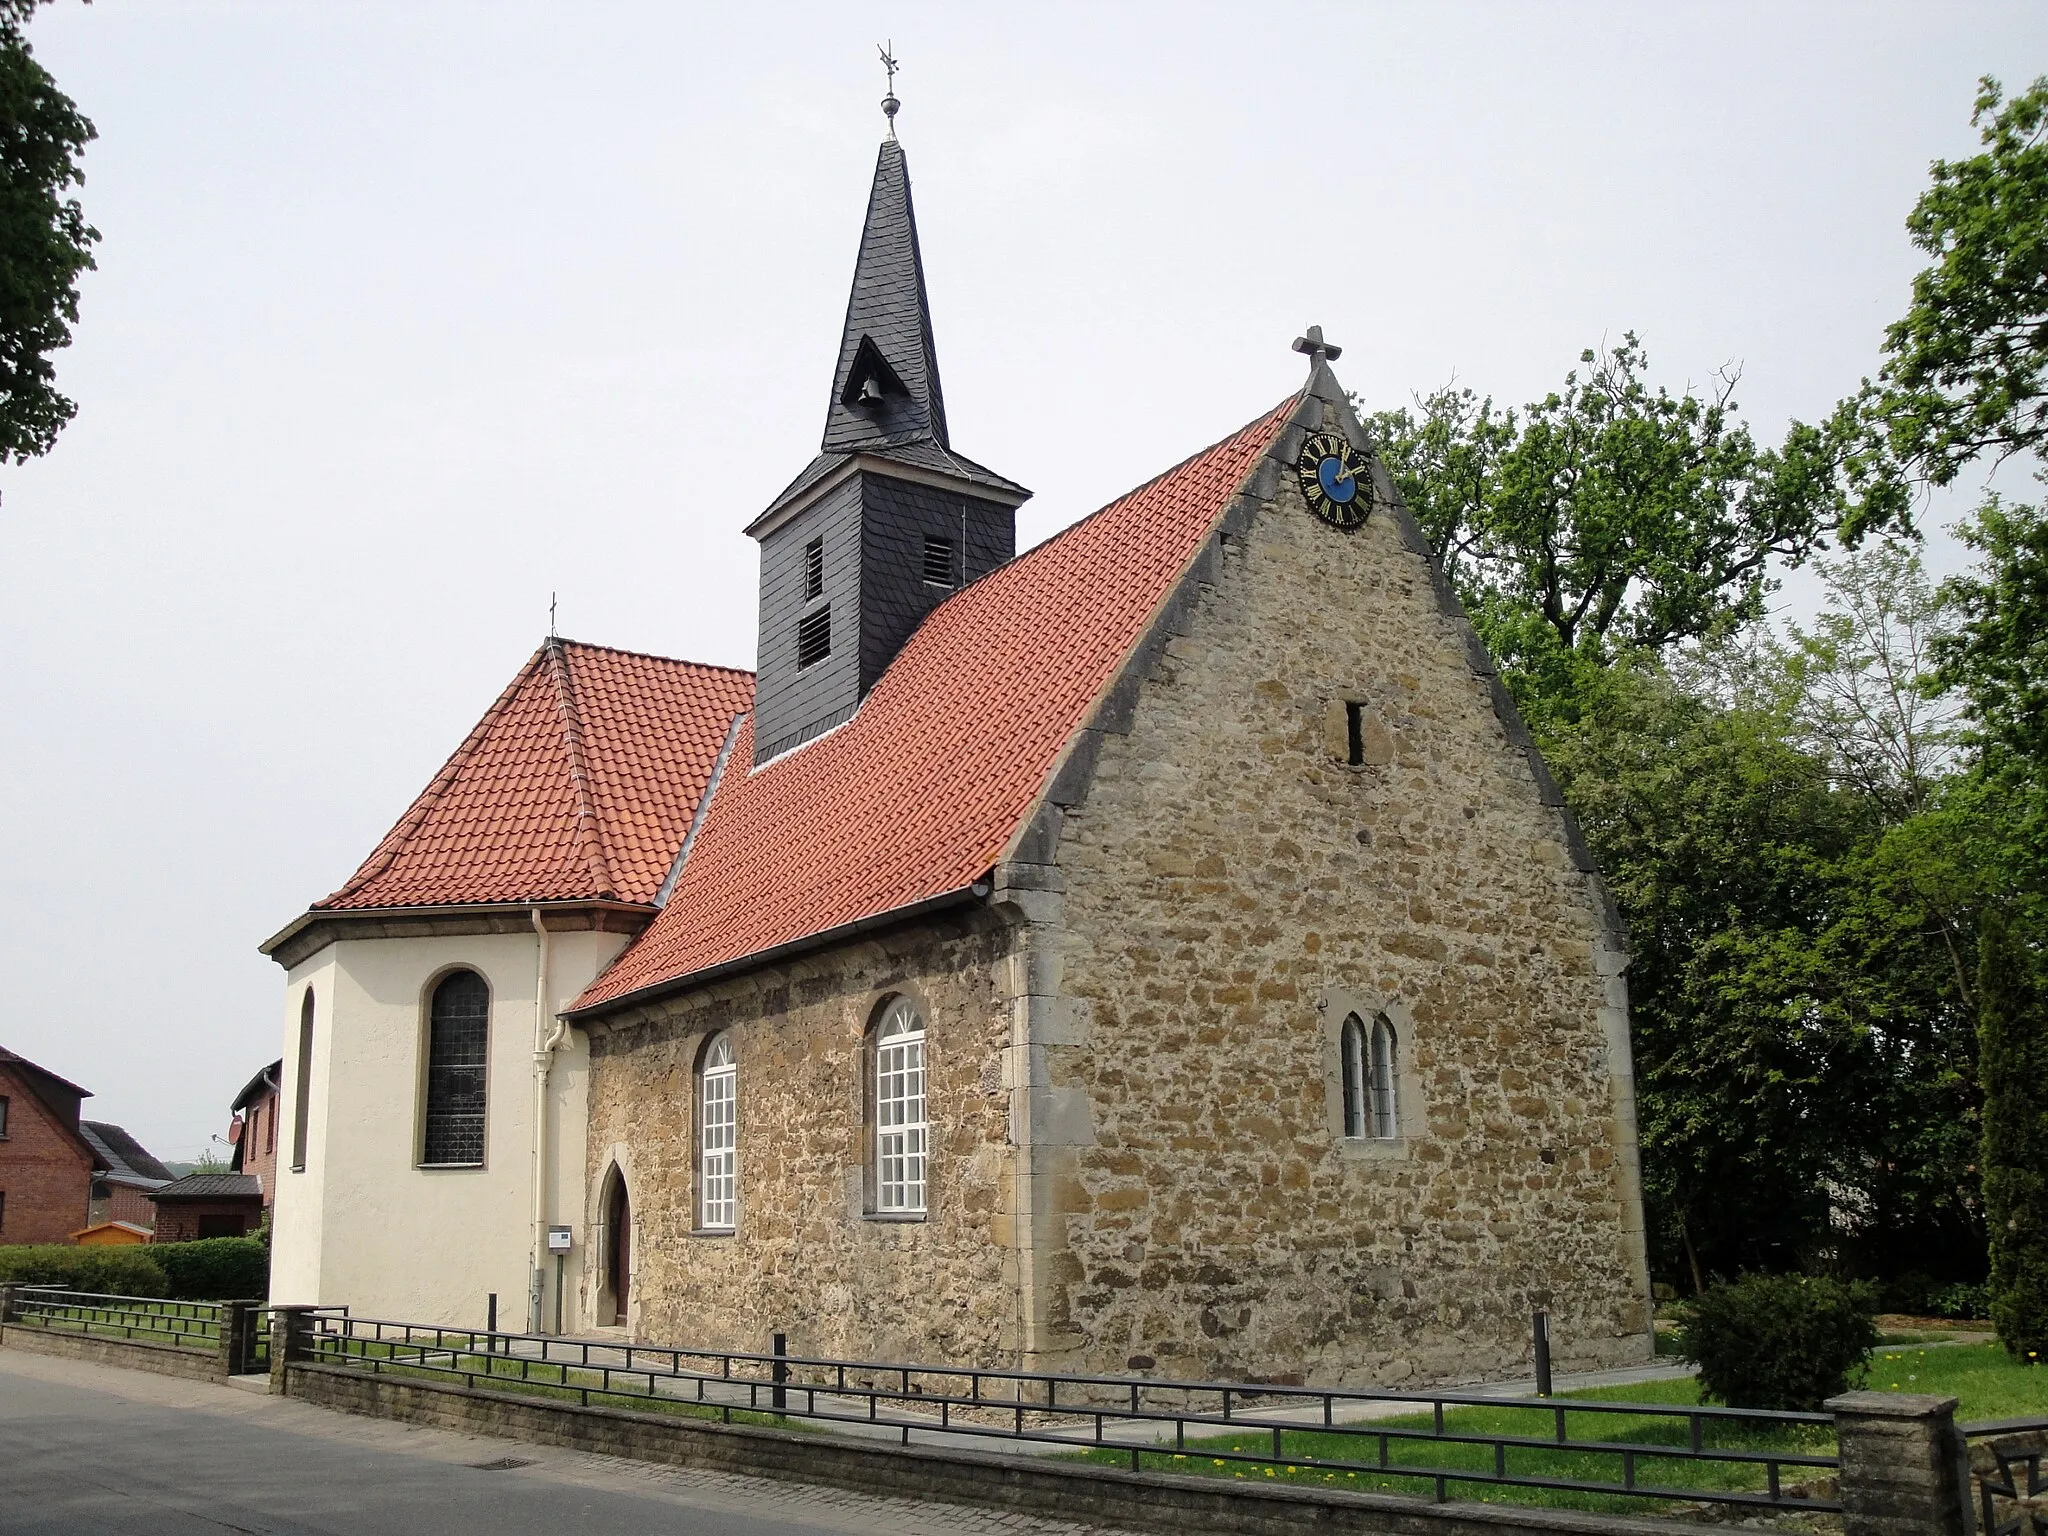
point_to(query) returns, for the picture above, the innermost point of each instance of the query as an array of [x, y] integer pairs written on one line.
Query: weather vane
[[889, 102]]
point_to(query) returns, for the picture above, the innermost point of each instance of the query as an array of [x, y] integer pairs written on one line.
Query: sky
[[411, 316]]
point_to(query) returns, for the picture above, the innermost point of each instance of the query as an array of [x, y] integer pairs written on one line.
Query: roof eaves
[[655, 991]]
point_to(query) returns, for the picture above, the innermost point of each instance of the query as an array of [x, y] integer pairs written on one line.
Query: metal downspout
[[547, 1034]]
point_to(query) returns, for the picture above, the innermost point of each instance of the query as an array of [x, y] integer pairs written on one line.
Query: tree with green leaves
[[1966, 371], [44, 240], [2013, 1062], [1612, 516]]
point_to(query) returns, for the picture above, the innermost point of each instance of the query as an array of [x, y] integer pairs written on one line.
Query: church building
[[1162, 950]]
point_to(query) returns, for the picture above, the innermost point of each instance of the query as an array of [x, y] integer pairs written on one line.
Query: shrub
[[110, 1271], [215, 1269], [1779, 1341]]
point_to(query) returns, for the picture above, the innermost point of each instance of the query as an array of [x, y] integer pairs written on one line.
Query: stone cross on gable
[[1314, 346]]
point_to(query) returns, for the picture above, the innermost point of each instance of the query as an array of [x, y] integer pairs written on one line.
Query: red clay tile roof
[[921, 791], [578, 783]]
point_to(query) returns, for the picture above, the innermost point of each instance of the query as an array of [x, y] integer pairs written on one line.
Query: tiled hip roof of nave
[[920, 792]]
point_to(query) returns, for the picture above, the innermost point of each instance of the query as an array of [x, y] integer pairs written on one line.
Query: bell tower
[[887, 521]]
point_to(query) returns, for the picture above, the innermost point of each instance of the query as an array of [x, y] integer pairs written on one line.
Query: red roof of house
[[919, 794], [579, 783]]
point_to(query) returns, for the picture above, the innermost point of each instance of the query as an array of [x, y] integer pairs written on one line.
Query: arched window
[[1352, 1045], [458, 1039], [900, 1130], [303, 1106], [1386, 1119], [718, 1135]]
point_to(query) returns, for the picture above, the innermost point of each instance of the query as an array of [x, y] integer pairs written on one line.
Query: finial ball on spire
[[890, 104]]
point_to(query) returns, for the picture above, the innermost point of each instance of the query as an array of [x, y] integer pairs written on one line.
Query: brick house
[[47, 1164], [253, 1130], [207, 1205], [1160, 949], [121, 1192]]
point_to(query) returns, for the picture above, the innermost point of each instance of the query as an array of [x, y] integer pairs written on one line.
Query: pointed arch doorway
[[618, 1255]]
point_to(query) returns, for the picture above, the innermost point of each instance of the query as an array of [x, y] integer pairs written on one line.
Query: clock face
[[1336, 481]]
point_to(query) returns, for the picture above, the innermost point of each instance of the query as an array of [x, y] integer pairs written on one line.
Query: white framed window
[[900, 1129], [1386, 1118], [718, 1136], [1352, 1046]]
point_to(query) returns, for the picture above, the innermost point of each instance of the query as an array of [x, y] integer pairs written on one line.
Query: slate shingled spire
[[887, 521], [885, 390]]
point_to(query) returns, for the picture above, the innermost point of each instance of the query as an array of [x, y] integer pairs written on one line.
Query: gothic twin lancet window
[[1370, 1109], [718, 1137]]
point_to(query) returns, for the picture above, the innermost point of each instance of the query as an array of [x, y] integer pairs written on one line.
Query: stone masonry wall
[[805, 1258], [1232, 888]]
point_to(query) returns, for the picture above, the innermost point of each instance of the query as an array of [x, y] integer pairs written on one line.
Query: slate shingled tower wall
[[886, 480]]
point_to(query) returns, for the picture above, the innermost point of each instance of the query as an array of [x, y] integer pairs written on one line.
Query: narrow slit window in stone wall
[[458, 1041], [1386, 1120], [718, 1136], [900, 1129], [1354, 728]]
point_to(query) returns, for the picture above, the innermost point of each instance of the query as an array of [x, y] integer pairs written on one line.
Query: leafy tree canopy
[[44, 239], [1967, 366], [1612, 516]]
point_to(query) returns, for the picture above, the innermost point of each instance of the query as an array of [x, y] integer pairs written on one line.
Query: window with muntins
[[938, 561], [1386, 1120], [814, 637], [304, 1083], [458, 1038], [1351, 1044], [900, 1129], [718, 1136], [814, 568]]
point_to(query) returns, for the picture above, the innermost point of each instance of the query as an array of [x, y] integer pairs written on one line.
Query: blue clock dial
[[1338, 483], [1336, 480]]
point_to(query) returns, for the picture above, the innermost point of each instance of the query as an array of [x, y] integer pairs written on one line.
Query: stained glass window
[[458, 1036]]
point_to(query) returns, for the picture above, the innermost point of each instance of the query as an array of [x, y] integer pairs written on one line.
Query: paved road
[[88, 1449]]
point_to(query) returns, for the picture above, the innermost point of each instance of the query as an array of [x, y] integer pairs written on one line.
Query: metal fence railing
[[1437, 1445], [2008, 1475], [191, 1325]]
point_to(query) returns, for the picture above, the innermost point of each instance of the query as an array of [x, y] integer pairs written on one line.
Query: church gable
[[1328, 1038]]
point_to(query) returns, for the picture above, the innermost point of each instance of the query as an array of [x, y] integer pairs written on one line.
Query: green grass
[[1302, 1446], [194, 1333], [1986, 1382]]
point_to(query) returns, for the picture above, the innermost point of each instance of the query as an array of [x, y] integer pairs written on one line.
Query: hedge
[[127, 1271], [212, 1269]]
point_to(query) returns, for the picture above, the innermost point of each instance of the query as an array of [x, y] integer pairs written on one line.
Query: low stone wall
[[101, 1349], [1136, 1501]]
